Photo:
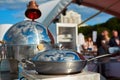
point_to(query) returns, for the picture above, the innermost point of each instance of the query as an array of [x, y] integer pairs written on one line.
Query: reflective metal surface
[[25, 33], [68, 67], [21, 51], [55, 61], [57, 55], [22, 39], [8, 76], [61, 67]]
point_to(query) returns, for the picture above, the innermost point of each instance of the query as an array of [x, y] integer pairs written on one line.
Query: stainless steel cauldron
[[21, 39]]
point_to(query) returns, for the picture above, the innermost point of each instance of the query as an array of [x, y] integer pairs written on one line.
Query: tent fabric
[[3, 30], [52, 9], [102, 4]]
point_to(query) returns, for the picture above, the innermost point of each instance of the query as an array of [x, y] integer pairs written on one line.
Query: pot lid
[[57, 55]]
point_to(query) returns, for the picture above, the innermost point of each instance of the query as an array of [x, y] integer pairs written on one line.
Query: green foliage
[[111, 24], [86, 31]]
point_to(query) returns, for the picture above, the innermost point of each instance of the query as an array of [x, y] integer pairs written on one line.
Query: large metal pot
[[22, 38], [21, 41], [62, 67]]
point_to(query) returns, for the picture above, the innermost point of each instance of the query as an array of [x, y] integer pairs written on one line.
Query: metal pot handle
[[101, 56], [28, 62], [105, 55], [2, 42]]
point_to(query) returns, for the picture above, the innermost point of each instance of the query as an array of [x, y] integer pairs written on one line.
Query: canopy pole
[[59, 13], [99, 12]]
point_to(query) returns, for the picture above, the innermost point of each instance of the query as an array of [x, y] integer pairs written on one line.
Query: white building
[[71, 17], [3, 29]]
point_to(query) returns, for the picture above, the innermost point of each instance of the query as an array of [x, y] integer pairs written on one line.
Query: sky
[[12, 11]]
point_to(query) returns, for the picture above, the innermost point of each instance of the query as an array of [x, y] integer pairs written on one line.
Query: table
[[111, 67], [32, 75], [108, 66]]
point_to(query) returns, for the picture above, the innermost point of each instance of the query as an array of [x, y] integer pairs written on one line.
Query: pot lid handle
[[2, 42], [40, 47]]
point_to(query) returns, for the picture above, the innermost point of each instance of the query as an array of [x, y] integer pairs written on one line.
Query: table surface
[[32, 75]]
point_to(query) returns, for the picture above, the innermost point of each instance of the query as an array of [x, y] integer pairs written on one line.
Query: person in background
[[103, 49], [98, 40], [115, 43], [88, 44], [105, 42], [115, 39]]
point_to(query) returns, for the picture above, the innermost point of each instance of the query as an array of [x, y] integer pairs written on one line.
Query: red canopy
[[108, 6]]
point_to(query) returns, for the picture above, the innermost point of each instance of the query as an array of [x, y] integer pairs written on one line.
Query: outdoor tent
[[52, 8], [108, 6]]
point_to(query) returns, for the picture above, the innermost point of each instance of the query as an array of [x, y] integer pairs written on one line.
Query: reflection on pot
[[21, 39], [56, 55]]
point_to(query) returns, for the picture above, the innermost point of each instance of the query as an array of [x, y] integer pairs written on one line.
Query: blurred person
[[115, 39], [99, 38], [2, 50], [88, 44], [103, 49], [115, 43]]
